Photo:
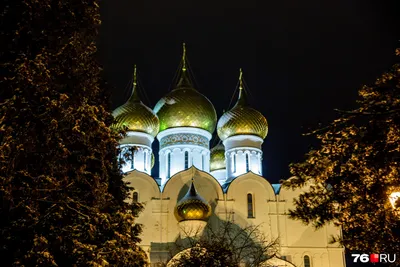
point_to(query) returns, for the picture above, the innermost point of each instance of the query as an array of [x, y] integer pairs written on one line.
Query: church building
[[198, 185]]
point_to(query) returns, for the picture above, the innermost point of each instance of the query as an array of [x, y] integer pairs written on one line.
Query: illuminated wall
[[268, 211]]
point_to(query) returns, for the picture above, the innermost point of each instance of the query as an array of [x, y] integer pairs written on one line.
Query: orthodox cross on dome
[[184, 57], [242, 99], [240, 79], [184, 79], [134, 76], [135, 94]]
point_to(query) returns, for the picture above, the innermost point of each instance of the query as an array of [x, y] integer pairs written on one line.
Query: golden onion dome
[[242, 119], [136, 116], [192, 206], [217, 158], [184, 106]]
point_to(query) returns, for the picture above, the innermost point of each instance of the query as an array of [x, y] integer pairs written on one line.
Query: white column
[[196, 158], [177, 160]]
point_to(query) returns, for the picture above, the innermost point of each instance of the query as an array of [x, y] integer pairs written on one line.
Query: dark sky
[[301, 59]]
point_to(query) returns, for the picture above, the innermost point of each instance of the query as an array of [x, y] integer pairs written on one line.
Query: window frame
[[247, 162], [186, 158], [168, 164], [135, 194], [250, 206], [308, 258]]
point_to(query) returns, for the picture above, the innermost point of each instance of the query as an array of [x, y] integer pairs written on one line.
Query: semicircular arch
[[143, 183], [250, 177], [186, 175]]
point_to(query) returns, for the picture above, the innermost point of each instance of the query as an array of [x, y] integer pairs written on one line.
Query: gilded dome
[[217, 158], [136, 116], [242, 119], [186, 107], [192, 206]]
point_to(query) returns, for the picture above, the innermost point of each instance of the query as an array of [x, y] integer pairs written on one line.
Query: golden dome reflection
[[184, 106], [242, 119], [217, 158], [135, 115], [192, 206]]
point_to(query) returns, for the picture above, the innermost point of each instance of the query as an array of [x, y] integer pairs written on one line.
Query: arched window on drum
[[135, 197], [307, 262], [168, 164], [186, 159], [247, 162]]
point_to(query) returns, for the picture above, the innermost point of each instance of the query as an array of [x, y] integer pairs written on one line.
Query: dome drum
[[181, 148], [184, 136], [137, 138], [252, 141], [136, 157], [243, 160]]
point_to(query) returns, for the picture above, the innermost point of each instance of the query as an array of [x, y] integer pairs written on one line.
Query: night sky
[[301, 59]]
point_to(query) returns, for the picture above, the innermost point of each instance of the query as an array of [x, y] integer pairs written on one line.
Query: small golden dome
[[135, 115], [192, 207], [184, 106], [242, 119], [217, 158]]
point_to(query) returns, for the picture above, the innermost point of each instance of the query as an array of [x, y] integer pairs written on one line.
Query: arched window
[[307, 262], [132, 158], [234, 163], [247, 162], [202, 161], [168, 164], [250, 206], [186, 159], [135, 197]]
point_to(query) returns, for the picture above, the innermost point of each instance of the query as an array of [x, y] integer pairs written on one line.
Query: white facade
[[235, 189], [298, 243]]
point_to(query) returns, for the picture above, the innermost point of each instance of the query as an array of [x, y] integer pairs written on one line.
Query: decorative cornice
[[184, 139]]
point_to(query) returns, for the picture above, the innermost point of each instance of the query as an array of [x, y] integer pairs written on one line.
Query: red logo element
[[374, 258]]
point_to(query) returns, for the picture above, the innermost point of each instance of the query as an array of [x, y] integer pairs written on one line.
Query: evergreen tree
[[355, 170], [62, 194]]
